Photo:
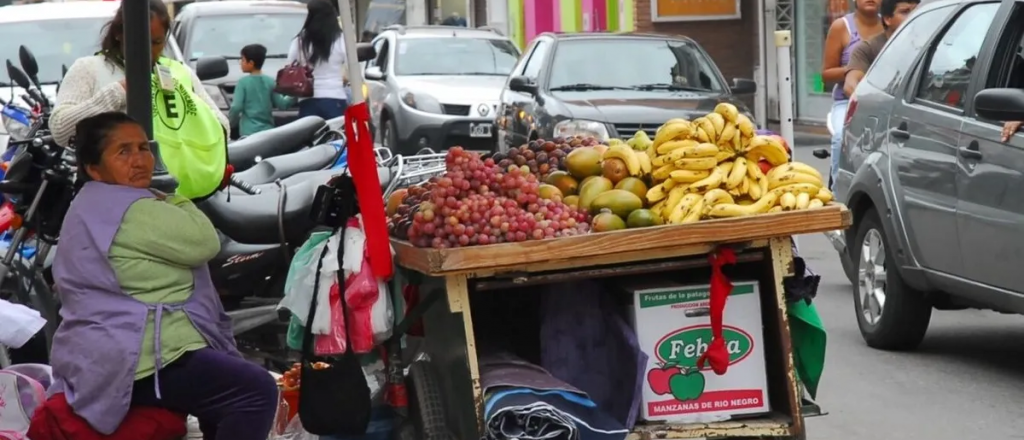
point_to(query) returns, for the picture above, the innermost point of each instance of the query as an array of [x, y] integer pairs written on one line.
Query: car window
[[952, 58], [226, 35], [455, 56], [638, 62], [384, 55], [378, 46], [892, 64], [536, 61], [53, 42]]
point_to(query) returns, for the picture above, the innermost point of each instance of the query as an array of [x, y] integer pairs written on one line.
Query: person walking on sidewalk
[[843, 35], [320, 45], [252, 106]]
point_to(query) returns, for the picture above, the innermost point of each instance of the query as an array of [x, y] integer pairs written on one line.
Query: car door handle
[[971, 151], [900, 132]]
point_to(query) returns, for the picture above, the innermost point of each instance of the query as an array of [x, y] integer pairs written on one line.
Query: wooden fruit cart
[[457, 273]]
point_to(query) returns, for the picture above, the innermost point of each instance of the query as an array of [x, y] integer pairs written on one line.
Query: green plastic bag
[[298, 285]]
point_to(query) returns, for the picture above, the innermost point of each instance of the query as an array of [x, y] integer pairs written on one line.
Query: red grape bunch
[[476, 203], [542, 157]]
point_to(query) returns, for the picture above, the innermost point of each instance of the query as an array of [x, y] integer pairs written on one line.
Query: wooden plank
[[772, 425], [458, 303], [782, 267], [613, 244]]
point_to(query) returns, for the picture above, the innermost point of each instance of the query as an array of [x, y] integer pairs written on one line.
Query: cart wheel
[[426, 405]]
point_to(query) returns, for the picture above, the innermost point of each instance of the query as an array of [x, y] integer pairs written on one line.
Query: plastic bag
[[334, 342], [298, 286], [20, 396], [382, 313], [293, 431]]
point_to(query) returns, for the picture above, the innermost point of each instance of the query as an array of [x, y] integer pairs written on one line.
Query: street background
[[965, 382]]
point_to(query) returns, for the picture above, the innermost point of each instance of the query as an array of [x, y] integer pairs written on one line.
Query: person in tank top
[[861, 24]]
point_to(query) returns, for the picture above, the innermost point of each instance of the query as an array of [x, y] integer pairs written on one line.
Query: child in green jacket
[[252, 106]]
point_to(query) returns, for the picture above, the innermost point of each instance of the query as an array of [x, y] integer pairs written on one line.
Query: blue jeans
[[327, 108], [838, 118]]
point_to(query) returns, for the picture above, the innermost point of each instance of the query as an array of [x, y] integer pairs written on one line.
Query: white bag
[[298, 291]]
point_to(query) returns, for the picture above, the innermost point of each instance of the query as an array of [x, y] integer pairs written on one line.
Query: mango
[[633, 185], [592, 189], [614, 169], [395, 200], [606, 221], [583, 162], [642, 218], [619, 201], [573, 200], [549, 192], [564, 182]]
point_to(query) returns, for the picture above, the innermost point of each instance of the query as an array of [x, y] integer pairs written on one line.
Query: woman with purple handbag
[[316, 70]]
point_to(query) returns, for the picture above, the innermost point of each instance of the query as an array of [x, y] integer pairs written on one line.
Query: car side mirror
[[365, 51], [28, 62], [1000, 104], [522, 84], [373, 73], [743, 86], [208, 68]]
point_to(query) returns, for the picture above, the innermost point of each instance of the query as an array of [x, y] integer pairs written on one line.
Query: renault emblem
[[483, 109]]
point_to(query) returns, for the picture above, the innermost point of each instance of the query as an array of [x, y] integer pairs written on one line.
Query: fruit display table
[[760, 240]]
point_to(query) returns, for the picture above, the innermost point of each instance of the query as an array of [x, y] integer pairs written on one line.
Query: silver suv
[[937, 196], [437, 86]]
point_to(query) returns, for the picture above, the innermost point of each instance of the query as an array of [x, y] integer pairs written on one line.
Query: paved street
[[965, 381]]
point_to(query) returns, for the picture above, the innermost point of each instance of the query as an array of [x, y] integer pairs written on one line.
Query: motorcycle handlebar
[[244, 186]]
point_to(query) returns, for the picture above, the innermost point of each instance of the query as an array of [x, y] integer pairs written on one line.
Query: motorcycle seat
[[253, 219], [285, 139], [319, 177], [268, 170]]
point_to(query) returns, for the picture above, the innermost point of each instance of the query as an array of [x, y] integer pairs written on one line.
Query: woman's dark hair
[[320, 31], [110, 45], [90, 135]]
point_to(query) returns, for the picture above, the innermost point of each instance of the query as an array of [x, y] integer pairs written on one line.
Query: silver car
[[437, 86]]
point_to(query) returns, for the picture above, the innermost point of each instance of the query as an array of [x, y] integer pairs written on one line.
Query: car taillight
[[850, 109]]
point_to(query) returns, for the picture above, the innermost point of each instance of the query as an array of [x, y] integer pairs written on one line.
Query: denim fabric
[[838, 118], [327, 108]]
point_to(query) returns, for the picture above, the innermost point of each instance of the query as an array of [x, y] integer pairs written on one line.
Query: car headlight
[[572, 127], [16, 127], [421, 101], [217, 95]]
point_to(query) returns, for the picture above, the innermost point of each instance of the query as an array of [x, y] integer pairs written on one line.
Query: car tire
[[388, 136], [901, 320], [849, 268]]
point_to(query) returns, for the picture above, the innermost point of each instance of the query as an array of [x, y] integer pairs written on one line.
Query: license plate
[[482, 130]]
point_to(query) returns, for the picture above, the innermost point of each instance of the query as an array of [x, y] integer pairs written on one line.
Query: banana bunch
[[638, 163]]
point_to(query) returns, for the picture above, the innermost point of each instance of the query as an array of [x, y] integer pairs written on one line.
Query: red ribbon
[[363, 165], [717, 355]]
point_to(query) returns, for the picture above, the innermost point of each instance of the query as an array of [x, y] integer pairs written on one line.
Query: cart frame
[[454, 273]]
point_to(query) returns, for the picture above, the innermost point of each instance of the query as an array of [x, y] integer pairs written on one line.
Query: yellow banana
[[676, 121], [754, 170], [763, 184], [707, 183], [658, 208], [688, 176], [662, 172], [726, 168], [627, 155], [728, 111], [656, 194], [775, 209], [694, 213], [674, 197], [675, 130], [780, 179], [739, 170], [735, 210], [806, 169], [744, 143], [729, 133], [803, 200], [787, 201], [745, 201], [745, 126], [815, 203], [717, 196], [754, 189], [744, 183], [717, 121], [774, 155], [723, 156], [796, 188], [824, 195], [696, 151], [668, 184], [683, 208], [700, 163], [703, 136], [735, 192], [667, 147], [660, 161], [645, 163]]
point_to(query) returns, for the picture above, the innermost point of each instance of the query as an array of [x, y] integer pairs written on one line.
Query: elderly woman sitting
[[142, 323]]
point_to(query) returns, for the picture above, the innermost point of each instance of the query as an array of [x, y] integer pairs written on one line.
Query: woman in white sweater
[[186, 121], [321, 47], [95, 84]]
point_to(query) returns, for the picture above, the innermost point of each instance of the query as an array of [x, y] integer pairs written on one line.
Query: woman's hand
[[1009, 129]]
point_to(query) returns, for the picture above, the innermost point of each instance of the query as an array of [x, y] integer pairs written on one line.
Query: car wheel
[[845, 258], [891, 315], [388, 135]]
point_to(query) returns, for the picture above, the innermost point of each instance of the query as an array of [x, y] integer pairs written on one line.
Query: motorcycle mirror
[[28, 62], [212, 67], [63, 71], [821, 153], [18, 76]]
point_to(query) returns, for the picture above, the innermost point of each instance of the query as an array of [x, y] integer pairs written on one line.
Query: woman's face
[[867, 6], [126, 158], [158, 37]]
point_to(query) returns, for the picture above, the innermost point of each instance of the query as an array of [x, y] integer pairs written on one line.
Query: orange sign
[[694, 10]]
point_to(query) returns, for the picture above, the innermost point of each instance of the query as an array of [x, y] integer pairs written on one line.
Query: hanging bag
[[334, 398], [296, 80]]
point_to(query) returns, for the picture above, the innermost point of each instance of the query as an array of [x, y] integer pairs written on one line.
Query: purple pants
[[232, 398]]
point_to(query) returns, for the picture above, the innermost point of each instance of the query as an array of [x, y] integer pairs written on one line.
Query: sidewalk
[[806, 135]]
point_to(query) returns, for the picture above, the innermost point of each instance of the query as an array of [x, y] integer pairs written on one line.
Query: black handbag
[[334, 400]]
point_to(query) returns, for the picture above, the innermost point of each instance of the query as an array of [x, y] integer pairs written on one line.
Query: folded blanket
[[526, 414]]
